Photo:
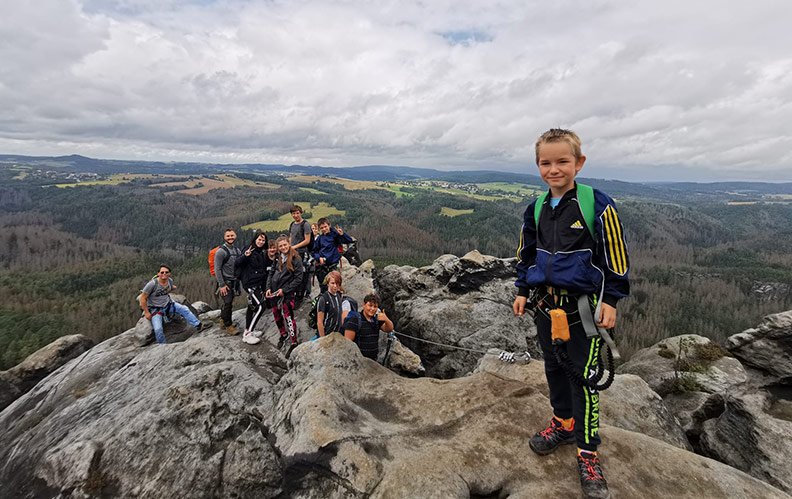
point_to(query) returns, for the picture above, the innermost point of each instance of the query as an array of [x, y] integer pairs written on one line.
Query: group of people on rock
[[278, 275], [572, 269]]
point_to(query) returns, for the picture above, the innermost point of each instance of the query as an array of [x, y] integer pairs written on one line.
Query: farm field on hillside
[[203, 185], [451, 212], [519, 189], [350, 185], [317, 211], [121, 178]]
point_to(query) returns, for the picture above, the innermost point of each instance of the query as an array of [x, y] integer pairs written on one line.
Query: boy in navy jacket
[[562, 258], [326, 251]]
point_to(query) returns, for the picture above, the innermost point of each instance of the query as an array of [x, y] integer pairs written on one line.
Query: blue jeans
[[173, 307]]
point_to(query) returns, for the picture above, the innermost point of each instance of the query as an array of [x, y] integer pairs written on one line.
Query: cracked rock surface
[[213, 417], [464, 302]]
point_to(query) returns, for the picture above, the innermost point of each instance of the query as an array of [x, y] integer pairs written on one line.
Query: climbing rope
[[442, 344]]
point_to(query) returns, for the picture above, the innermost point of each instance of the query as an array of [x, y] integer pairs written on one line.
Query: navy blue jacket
[[563, 253], [326, 246]]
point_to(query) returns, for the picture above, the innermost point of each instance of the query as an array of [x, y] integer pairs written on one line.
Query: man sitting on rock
[[156, 303], [364, 328]]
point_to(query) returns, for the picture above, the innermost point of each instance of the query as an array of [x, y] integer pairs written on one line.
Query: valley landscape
[[710, 259]]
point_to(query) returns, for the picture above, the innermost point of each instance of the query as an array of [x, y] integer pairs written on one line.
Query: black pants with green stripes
[[568, 399]]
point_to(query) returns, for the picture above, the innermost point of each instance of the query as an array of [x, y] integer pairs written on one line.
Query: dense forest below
[[72, 260]]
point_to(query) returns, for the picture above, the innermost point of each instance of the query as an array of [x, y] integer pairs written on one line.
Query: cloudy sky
[[671, 90]]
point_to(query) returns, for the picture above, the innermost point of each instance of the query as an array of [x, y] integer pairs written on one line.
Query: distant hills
[[383, 173]]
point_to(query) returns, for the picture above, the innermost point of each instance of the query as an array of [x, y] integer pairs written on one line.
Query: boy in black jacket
[[565, 255]]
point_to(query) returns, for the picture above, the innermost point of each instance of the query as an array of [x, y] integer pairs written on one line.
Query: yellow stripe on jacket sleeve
[[620, 237], [614, 241], [609, 239]]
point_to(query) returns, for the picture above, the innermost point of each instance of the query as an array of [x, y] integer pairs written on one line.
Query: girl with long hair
[[283, 283]]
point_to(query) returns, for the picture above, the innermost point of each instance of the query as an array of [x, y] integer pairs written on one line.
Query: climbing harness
[[560, 335]]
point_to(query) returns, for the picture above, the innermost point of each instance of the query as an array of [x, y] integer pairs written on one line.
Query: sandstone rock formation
[[738, 414], [214, 417], [465, 302], [38, 365], [767, 348]]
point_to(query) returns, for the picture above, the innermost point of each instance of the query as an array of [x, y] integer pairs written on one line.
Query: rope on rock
[[442, 344]]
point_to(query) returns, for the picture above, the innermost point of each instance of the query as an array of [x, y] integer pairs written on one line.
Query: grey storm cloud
[[671, 90]]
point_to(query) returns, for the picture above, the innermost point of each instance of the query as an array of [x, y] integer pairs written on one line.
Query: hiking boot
[[551, 438], [281, 341], [257, 334], [291, 349], [591, 479], [203, 326], [250, 338], [232, 330]]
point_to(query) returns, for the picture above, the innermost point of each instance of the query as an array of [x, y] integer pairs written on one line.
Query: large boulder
[[767, 348], [124, 420], [214, 417], [462, 302], [737, 415], [21, 378], [753, 436], [357, 281], [701, 366]]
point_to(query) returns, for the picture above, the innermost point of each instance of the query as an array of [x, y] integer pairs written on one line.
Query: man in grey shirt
[[227, 283], [301, 238], [156, 303]]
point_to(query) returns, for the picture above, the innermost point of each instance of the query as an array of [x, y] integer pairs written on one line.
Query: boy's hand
[[340, 232], [607, 316], [224, 291], [519, 305], [147, 314], [381, 316]]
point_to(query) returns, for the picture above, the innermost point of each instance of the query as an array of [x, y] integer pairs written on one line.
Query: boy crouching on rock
[[571, 246]]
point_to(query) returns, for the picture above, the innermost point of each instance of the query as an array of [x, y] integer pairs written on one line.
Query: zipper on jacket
[[554, 243]]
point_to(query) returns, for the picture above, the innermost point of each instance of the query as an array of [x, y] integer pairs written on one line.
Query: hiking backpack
[[353, 304], [312, 319], [212, 259], [585, 196]]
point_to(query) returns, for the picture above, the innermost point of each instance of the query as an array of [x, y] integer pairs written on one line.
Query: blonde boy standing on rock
[[565, 255]]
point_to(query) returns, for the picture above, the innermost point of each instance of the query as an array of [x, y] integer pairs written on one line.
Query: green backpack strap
[[538, 208], [585, 195]]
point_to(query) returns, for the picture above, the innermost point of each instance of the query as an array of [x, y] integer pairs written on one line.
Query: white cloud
[[701, 86]]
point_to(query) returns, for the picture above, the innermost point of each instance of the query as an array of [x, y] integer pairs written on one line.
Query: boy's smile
[[558, 167]]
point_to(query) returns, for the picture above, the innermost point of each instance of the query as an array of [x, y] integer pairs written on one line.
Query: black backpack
[[312, 319], [352, 303]]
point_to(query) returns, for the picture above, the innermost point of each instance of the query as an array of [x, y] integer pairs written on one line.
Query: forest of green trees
[[73, 260]]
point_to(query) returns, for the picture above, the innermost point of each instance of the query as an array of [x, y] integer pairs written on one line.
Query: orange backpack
[[212, 259]]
